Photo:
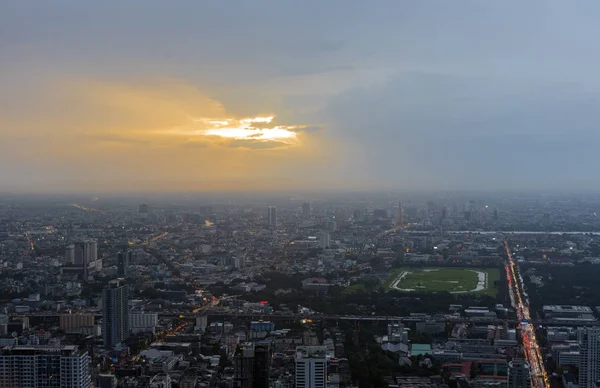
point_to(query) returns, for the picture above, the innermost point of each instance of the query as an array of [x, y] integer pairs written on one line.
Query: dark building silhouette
[[115, 313], [123, 261], [252, 365]]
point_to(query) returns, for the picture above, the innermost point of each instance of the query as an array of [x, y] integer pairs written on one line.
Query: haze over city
[[193, 96]]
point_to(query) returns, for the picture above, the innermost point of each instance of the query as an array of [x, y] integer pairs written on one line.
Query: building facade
[[589, 356], [123, 261], [44, 366], [272, 214], [115, 311], [519, 374], [252, 365], [311, 367]]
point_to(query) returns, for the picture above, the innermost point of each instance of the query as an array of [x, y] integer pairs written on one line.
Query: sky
[[150, 95]]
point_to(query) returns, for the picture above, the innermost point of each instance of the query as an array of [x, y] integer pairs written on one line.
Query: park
[[452, 280]]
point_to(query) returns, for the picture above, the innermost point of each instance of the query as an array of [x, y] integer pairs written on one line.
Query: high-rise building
[[324, 240], [306, 210], [400, 215], [115, 313], [143, 210], [518, 374], [495, 214], [311, 367], [70, 254], [44, 366], [85, 252], [589, 356], [272, 213], [123, 261], [252, 365]]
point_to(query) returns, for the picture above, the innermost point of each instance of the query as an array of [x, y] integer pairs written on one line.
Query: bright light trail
[[539, 377]]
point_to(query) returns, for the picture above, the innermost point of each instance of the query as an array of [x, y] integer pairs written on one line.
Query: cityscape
[[300, 291], [299, 194]]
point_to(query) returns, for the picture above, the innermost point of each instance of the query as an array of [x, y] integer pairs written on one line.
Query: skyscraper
[[306, 210], [589, 356], [400, 215], [143, 210], [324, 240], [518, 374], [85, 252], [272, 214], [311, 367], [44, 366], [252, 365], [123, 261], [115, 313], [70, 254]]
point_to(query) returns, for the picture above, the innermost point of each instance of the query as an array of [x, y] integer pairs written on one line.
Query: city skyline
[[413, 96]]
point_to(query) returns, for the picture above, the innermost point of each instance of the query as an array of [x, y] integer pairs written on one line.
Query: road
[[519, 300]]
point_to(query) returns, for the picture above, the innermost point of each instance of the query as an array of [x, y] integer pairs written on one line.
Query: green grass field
[[453, 280]]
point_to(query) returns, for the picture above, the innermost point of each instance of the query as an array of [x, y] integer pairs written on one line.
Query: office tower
[[495, 214], [252, 365], [115, 313], [444, 212], [44, 366], [400, 215], [311, 367], [518, 374], [84, 252], [324, 240], [306, 210], [143, 210], [430, 208], [272, 217], [589, 356], [123, 261], [70, 254]]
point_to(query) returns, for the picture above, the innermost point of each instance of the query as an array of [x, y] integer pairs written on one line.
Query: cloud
[[441, 131], [256, 144], [95, 134]]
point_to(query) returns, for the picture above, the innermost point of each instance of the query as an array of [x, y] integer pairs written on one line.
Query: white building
[[589, 356], [44, 366], [311, 367]]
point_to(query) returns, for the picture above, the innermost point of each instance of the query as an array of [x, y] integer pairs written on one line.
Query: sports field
[[453, 280]]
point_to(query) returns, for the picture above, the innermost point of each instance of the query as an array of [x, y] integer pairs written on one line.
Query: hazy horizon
[[148, 96]]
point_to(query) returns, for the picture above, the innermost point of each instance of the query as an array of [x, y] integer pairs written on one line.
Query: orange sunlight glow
[[251, 128]]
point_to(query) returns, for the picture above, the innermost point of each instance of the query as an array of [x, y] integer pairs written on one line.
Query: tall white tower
[[589, 356], [311, 367]]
